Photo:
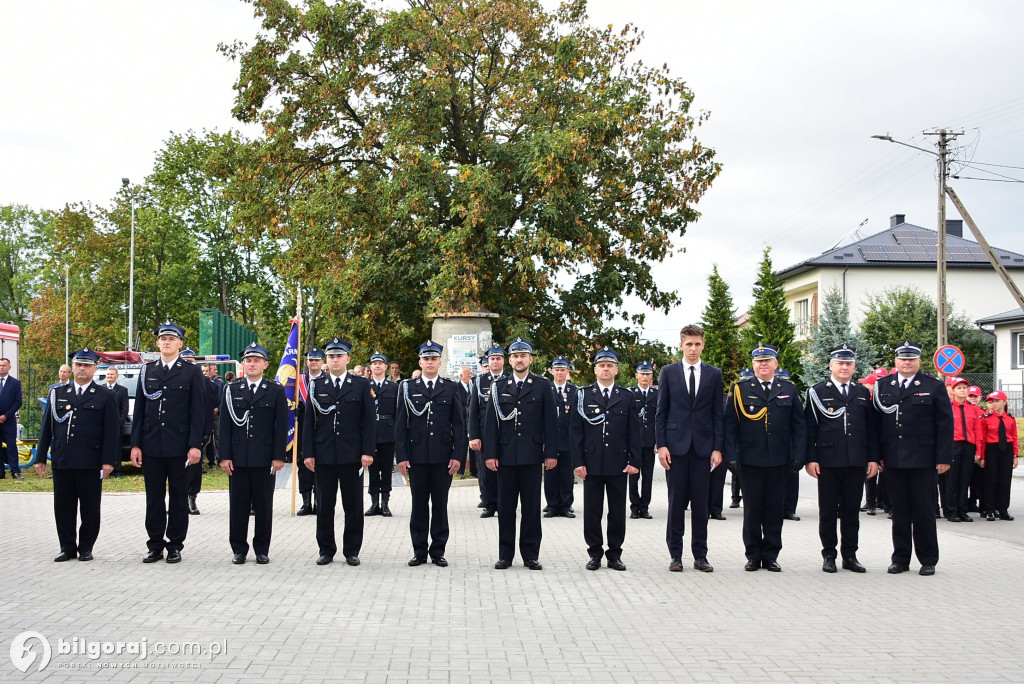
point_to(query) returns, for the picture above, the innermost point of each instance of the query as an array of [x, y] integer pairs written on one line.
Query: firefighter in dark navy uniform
[[520, 438], [916, 420], [194, 473], [842, 450], [430, 446], [339, 436], [479, 409], [605, 444], [766, 432], [307, 481], [385, 398], [254, 436], [646, 396], [80, 429], [558, 483], [167, 435]]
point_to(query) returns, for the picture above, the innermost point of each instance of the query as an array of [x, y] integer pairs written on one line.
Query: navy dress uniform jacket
[[680, 425], [920, 434], [777, 439], [648, 411], [171, 424], [439, 434], [348, 429], [850, 438], [608, 447], [89, 438], [480, 404], [263, 436], [532, 435], [10, 399], [386, 400], [564, 407]]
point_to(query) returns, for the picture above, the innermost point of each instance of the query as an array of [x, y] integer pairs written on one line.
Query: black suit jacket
[[920, 433], [438, 435], [344, 427], [609, 446], [648, 410], [87, 439], [10, 398], [263, 435], [385, 400], [121, 399], [841, 432], [169, 425], [680, 424], [777, 439], [529, 437]]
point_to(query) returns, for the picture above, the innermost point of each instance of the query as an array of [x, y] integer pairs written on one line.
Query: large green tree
[[452, 155], [20, 229], [768, 320], [831, 330], [901, 313], [721, 334]]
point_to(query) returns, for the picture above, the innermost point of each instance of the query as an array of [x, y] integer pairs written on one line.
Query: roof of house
[[1006, 317], [905, 245]]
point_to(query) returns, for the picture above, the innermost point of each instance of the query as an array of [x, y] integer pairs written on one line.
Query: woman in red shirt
[[998, 454]]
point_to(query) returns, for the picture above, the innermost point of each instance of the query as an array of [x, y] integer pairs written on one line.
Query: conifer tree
[[831, 330], [769, 322], [721, 334]]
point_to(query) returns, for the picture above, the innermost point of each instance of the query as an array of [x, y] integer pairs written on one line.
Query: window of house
[[1018, 350], [802, 314]]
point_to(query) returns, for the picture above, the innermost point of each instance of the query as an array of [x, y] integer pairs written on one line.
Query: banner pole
[[298, 370]]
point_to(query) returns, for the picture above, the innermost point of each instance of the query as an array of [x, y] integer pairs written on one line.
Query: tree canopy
[[456, 155], [768, 319], [721, 334], [831, 330]]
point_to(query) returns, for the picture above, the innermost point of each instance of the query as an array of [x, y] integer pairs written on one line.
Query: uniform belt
[[385, 417]]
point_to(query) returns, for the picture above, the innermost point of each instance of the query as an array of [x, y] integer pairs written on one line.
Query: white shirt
[[839, 384], [111, 387], [905, 379], [339, 379], [80, 388], [696, 374], [605, 388]]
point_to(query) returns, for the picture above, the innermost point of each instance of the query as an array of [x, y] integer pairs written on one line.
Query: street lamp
[[131, 274], [940, 259]]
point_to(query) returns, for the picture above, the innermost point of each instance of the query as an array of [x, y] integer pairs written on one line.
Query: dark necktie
[[430, 386], [519, 386], [767, 387], [963, 422], [903, 385], [693, 385], [78, 391], [337, 383], [252, 389], [606, 394], [845, 395], [1002, 430]]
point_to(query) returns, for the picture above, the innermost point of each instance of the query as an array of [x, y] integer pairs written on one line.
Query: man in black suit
[[385, 401], [121, 399], [640, 483], [689, 428], [167, 435], [307, 481], [479, 409], [80, 430], [254, 434], [194, 472], [10, 402], [520, 438], [605, 444], [766, 432], [842, 449], [339, 437], [558, 483], [430, 445], [917, 445], [465, 388]]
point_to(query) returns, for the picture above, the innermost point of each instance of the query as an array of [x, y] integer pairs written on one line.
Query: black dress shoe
[[771, 566], [385, 511], [352, 560], [734, 504], [374, 509], [192, 508], [953, 518], [18, 476], [634, 516], [871, 511], [990, 516], [85, 556], [889, 515], [927, 570], [864, 508], [439, 561], [153, 557], [1005, 515], [533, 565], [238, 558], [717, 516], [488, 513], [752, 565], [481, 505], [829, 565], [304, 510], [616, 564], [550, 514], [676, 565], [568, 514], [571, 509], [966, 518], [324, 560], [64, 556], [645, 515], [897, 568], [417, 561], [174, 556], [262, 558], [594, 564], [792, 516], [503, 564], [702, 565], [853, 564]]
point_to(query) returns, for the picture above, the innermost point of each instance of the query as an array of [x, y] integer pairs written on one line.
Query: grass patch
[[130, 481]]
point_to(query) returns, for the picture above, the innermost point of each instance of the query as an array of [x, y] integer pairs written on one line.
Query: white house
[[903, 255], [1009, 354]]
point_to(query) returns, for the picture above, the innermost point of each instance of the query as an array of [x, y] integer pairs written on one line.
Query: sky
[[795, 90]]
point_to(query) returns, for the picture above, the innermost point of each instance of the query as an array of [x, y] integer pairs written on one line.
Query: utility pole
[[940, 258]]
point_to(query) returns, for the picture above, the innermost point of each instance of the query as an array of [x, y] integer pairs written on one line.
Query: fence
[[34, 383]]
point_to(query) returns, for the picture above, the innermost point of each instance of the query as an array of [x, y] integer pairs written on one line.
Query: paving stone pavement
[[293, 621]]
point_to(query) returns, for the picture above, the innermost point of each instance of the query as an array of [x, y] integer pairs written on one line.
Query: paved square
[[292, 621]]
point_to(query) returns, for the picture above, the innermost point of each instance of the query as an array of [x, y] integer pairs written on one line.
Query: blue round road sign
[[948, 360]]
